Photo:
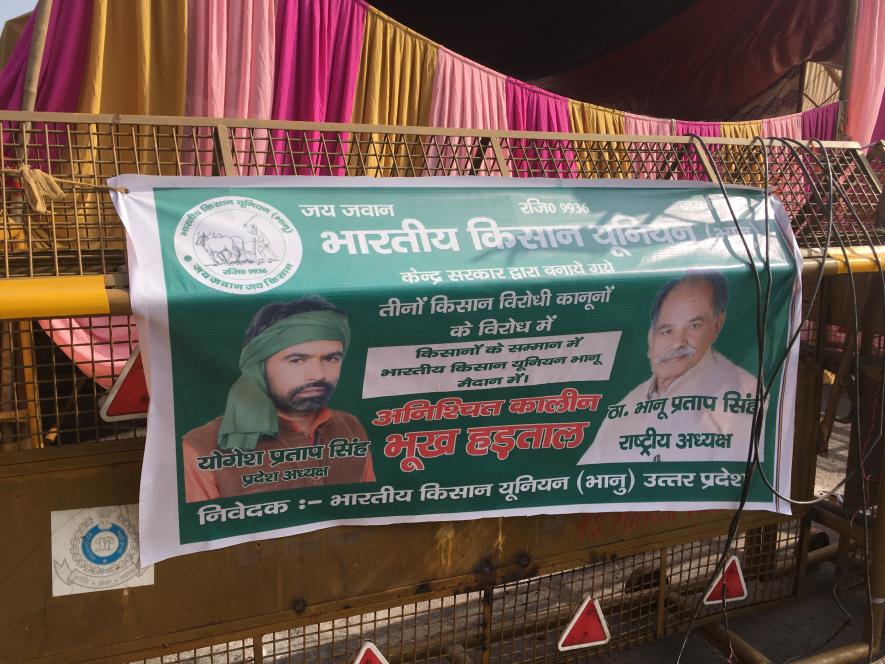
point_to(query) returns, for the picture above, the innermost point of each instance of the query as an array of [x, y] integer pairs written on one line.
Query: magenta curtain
[[868, 76], [704, 129], [647, 165], [690, 167], [820, 122], [465, 95], [318, 48], [12, 78], [230, 73], [530, 108], [61, 75], [61, 72]]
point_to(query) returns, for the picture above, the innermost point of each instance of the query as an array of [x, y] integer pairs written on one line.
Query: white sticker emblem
[[96, 549], [238, 244]]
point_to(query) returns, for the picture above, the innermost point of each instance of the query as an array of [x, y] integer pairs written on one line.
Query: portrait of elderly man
[[277, 431], [697, 404]]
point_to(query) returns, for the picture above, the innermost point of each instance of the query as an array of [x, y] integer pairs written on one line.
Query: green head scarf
[[250, 412]]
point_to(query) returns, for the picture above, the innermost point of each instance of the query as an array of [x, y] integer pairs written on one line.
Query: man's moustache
[[686, 350], [326, 386]]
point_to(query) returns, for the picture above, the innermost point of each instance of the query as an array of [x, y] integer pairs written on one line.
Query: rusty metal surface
[[309, 579]]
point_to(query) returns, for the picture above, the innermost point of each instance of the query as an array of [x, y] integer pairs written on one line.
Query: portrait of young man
[[686, 318], [277, 431]]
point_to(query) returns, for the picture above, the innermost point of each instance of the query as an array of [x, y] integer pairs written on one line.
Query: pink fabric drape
[[98, 345], [820, 122], [647, 165], [230, 73], [690, 167], [643, 125], [465, 95], [868, 74], [318, 48], [784, 168], [879, 129], [784, 126], [530, 108]]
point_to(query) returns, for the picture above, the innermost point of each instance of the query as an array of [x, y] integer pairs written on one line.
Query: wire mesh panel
[[287, 151], [433, 631], [65, 361], [768, 558], [876, 157], [538, 156], [231, 652], [54, 376], [642, 596], [800, 177], [529, 616], [80, 232], [55, 373]]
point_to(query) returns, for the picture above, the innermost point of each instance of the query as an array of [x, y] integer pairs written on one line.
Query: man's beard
[[685, 350], [294, 404]]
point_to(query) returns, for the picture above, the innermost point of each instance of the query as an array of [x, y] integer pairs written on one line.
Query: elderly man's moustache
[[686, 350], [326, 386]]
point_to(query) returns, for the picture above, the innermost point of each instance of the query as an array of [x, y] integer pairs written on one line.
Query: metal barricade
[[492, 590]]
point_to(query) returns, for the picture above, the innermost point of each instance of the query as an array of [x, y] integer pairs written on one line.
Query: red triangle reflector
[[369, 654], [587, 628], [729, 585], [128, 396]]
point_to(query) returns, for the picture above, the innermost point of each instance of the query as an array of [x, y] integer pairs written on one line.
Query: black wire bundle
[[763, 389]]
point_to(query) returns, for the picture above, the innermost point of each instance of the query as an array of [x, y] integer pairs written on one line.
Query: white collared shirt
[[713, 375]]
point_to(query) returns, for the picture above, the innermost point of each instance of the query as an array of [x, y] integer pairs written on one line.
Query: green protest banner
[[325, 351]]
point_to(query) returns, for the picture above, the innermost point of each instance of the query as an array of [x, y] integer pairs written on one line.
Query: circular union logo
[[103, 546], [237, 244]]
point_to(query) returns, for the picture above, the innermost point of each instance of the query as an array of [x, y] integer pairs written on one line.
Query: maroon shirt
[[227, 482]]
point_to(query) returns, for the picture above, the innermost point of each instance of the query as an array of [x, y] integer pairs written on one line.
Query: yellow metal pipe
[[727, 641], [29, 375], [45, 297], [861, 259], [847, 654]]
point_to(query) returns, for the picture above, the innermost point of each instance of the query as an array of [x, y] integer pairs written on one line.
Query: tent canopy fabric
[[701, 59]]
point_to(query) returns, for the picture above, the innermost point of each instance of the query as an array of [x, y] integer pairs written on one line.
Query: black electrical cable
[[758, 424], [851, 473], [757, 420], [861, 456], [849, 618], [756, 438], [857, 424]]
